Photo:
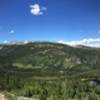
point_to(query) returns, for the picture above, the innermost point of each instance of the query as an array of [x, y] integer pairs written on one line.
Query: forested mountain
[[50, 71], [49, 57]]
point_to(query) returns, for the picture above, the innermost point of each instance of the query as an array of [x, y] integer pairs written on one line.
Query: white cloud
[[5, 41], [36, 9], [26, 41], [94, 42], [12, 31]]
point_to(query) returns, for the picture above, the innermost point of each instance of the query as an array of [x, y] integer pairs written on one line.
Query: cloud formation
[[93, 42], [5, 41], [12, 31], [36, 9]]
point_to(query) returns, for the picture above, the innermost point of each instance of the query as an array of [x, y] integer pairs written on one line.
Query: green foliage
[[49, 57], [50, 71], [97, 90]]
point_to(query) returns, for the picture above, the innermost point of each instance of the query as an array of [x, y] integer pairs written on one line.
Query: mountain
[[49, 71], [49, 57]]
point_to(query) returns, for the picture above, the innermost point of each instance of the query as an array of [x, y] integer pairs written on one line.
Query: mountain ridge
[[50, 57]]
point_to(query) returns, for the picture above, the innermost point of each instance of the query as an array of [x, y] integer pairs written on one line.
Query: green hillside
[[50, 71], [49, 57]]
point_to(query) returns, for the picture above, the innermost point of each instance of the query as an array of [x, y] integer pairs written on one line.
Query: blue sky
[[50, 20]]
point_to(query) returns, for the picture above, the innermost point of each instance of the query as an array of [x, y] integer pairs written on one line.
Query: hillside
[[49, 71], [49, 57]]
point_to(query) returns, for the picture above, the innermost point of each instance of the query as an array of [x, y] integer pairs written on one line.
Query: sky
[[65, 21]]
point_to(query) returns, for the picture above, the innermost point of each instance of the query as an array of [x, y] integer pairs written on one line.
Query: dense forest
[[50, 71]]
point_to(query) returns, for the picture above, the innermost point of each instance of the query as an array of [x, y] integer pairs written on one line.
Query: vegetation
[[50, 71]]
